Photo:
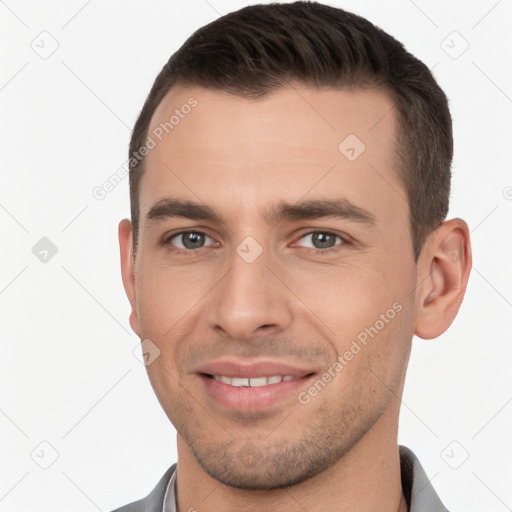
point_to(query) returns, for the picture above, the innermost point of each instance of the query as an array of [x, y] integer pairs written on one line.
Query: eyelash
[[344, 241]]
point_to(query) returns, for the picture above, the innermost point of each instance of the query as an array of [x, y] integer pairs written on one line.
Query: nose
[[249, 300]]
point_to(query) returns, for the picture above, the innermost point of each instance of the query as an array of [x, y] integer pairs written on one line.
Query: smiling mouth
[[252, 385], [254, 382]]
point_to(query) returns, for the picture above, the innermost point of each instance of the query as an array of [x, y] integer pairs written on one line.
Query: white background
[[68, 375]]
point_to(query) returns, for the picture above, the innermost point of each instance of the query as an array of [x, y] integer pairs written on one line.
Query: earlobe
[[443, 273], [128, 269]]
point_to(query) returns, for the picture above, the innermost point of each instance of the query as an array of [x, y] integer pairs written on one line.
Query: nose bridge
[[249, 296]]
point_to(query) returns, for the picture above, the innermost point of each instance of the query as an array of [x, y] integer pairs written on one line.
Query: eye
[[321, 241], [189, 240]]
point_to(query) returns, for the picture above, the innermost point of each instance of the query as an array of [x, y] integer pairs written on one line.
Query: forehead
[[295, 141]]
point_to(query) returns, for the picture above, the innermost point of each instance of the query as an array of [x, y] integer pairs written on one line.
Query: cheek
[[350, 296], [167, 296], [363, 306]]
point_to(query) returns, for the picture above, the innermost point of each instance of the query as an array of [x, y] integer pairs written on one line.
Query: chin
[[244, 466]]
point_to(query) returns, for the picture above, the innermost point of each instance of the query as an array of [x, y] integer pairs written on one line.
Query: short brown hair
[[260, 48]]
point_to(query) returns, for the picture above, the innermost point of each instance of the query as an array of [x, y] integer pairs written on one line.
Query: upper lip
[[252, 368]]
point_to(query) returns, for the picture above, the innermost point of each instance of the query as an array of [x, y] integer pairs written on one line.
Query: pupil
[[323, 240], [193, 240]]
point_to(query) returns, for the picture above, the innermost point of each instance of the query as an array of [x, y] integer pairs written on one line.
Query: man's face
[[267, 288]]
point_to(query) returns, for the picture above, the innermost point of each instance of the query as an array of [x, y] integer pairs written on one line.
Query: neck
[[366, 479]]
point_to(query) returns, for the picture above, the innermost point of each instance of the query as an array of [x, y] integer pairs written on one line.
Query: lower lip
[[251, 399]]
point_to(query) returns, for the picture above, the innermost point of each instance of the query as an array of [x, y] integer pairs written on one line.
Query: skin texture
[[292, 304]]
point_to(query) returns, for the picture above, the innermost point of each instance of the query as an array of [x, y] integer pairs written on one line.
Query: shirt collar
[[169, 504], [417, 489]]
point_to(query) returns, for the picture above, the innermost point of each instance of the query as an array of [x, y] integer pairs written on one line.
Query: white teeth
[[255, 382], [258, 381], [237, 382]]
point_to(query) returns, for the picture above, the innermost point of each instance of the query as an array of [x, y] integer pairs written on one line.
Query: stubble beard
[[274, 461]]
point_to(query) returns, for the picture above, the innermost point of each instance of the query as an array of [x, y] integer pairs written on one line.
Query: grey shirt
[[417, 489]]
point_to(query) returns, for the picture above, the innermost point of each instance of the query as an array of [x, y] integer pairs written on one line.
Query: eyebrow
[[320, 208], [306, 210]]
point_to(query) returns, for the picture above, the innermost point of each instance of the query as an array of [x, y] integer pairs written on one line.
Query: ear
[[128, 270], [443, 272]]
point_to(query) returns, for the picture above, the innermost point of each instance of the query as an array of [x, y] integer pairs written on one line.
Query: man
[[290, 176]]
